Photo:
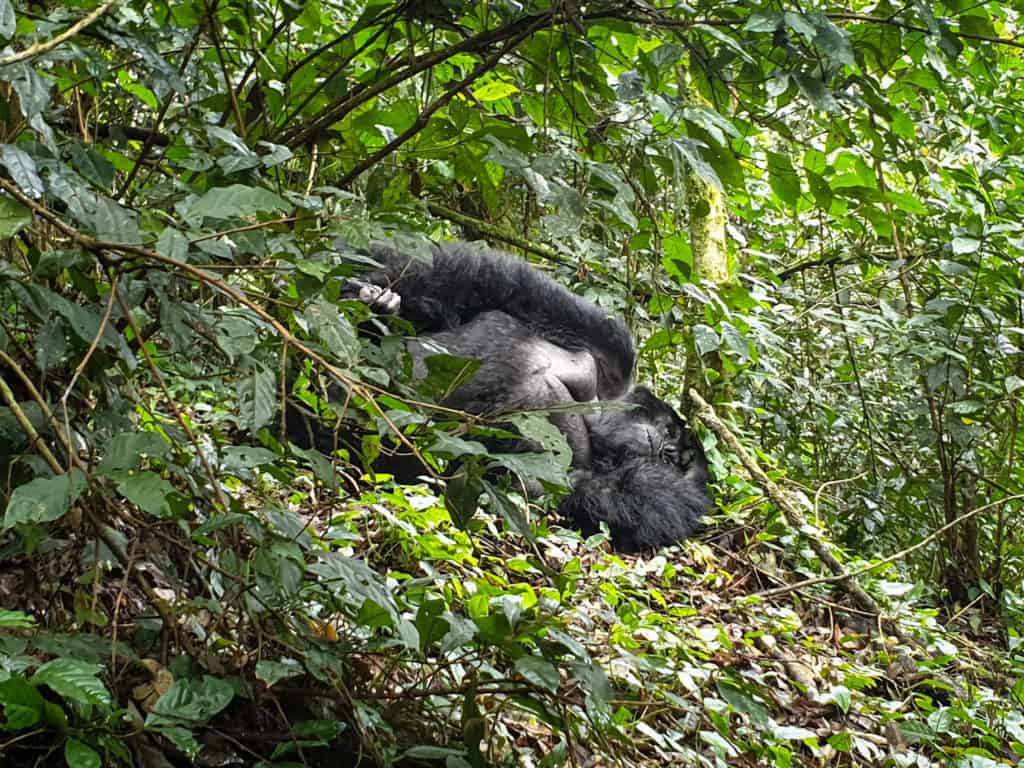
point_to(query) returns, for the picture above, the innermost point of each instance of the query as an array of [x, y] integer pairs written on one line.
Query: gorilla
[[635, 465]]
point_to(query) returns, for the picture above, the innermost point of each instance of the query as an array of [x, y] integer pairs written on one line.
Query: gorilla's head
[[649, 429]]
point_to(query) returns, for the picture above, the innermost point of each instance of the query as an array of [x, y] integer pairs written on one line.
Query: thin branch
[[424, 117], [40, 48]]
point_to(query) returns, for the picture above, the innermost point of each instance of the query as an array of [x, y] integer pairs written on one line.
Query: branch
[[424, 117], [892, 22], [40, 48], [476, 43], [795, 518]]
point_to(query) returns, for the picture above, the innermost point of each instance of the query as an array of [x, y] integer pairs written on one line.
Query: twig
[[40, 48], [795, 518]]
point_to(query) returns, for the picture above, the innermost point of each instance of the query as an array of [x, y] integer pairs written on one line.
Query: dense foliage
[[183, 187]]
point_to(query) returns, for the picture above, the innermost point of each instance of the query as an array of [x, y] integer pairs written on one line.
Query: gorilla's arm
[[464, 281]]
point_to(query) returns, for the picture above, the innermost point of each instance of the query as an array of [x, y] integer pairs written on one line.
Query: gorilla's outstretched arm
[[464, 281]]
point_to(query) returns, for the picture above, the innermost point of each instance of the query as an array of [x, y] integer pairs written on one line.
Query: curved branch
[[40, 48]]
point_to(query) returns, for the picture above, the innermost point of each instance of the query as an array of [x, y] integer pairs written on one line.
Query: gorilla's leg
[[518, 371], [465, 281]]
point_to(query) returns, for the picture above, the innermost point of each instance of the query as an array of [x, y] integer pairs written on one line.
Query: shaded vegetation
[[184, 188]]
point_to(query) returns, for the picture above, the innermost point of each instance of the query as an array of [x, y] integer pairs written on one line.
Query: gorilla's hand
[[379, 298]]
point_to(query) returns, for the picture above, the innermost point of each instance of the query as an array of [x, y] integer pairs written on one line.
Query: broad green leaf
[[78, 754], [113, 222], [16, 620], [237, 201], [147, 490], [128, 450], [22, 704], [191, 702], [22, 168], [494, 90], [14, 216], [257, 399], [783, 179], [538, 671], [44, 499], [706, 339], [75, 680], [962, 245], [271, 672]]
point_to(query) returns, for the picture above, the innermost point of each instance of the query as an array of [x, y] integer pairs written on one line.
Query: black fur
[[637, 468], [464, 281], [647, 478]]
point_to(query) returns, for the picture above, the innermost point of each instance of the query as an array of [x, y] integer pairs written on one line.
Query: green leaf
[[192, 702], [539, 672], [128, 450], [237, 201], [22, 168], [22, 704], [75, 680], [494, 90], [16, 620], [112, 222], [962, 245], [14, 216], [783, 179], [706, 339], [257, 399], [763, 21], [242, 457], [78, 754], [906, 202], [334, 329], [147, 490], [271, 672], [44, 499]]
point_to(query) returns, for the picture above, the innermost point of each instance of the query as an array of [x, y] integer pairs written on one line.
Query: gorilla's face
[[651, 429]]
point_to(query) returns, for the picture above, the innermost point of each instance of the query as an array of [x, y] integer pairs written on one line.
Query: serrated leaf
[[75, 680], [44, 499]]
